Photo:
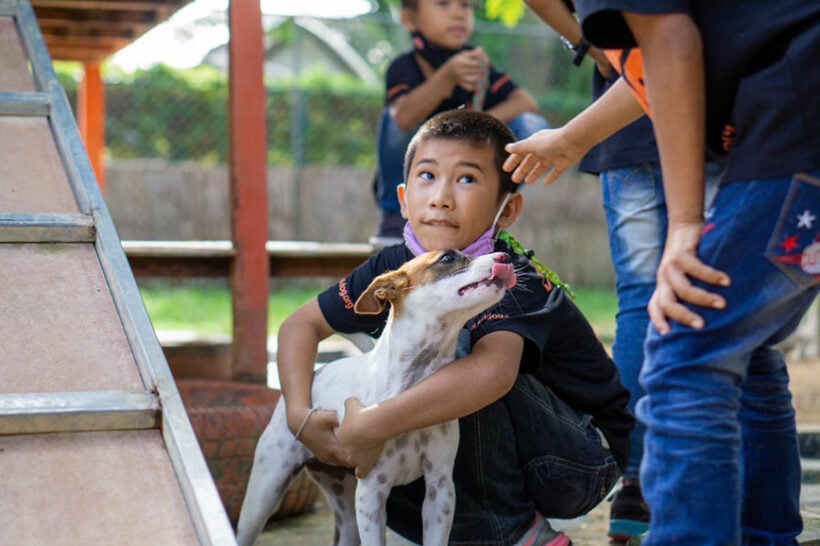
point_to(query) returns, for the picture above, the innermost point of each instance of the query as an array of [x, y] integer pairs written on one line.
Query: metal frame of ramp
[[95, 443]]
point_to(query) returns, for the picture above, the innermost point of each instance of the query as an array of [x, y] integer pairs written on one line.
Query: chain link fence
[[167, 148], [325, 91]]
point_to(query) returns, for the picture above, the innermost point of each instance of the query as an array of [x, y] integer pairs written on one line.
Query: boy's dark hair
[[414, 4], [477, 129]]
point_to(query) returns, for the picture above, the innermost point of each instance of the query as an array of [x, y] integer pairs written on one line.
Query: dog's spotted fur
[[431, 297]]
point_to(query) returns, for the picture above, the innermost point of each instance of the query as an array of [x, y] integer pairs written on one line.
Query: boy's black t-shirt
[[560, 347], [404, 74], [762, 76]]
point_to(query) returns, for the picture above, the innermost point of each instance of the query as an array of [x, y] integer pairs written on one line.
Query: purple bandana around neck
[[483, 245]]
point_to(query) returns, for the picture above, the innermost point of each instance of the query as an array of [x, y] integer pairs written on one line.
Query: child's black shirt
[[404, 74]]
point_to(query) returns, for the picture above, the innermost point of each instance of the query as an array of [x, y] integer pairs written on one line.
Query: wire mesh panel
[[13, 73], [64, 333], [91, 488], [325, 80], [166, 132], [31, 179]]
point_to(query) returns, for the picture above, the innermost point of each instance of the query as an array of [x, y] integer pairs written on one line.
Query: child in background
[[542, 414], [442, 72]]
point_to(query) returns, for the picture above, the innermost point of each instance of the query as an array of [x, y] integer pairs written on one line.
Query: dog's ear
[[383, 290]]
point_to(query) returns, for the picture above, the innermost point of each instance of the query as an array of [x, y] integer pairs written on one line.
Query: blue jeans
[[527, 451], [721, 463], [635, 208], [391, 145]]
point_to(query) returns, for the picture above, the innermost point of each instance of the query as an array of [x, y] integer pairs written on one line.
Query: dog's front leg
[[439, 506], [371, 512]]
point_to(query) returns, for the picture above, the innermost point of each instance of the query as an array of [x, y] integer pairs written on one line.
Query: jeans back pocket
[[794, 246]]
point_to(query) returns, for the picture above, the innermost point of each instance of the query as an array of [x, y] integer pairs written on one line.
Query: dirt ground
[[805, 387]]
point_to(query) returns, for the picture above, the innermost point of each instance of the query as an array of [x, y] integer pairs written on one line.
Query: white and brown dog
[[431, 298]]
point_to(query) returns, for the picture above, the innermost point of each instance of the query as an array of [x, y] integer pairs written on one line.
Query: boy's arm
[[556, 150], [298, 342], [458, 389], [518, 102], [673, 65]]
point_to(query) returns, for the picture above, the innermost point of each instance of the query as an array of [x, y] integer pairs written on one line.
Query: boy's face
[[451, 196], [446, 23]]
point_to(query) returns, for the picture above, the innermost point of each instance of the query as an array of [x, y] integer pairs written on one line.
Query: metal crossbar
[[77, 412], [47, 228], [24, 104]]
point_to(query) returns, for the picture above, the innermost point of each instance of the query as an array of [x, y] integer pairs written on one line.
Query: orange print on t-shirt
[[629, 64]]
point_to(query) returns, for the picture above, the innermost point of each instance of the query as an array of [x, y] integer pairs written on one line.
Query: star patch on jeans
[[795, 243]]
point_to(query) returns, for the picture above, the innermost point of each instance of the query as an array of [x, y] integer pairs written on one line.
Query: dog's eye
[[447, 258]]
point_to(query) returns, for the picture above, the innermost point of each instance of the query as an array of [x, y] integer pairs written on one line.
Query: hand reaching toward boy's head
[[547, 152], [553, 151]]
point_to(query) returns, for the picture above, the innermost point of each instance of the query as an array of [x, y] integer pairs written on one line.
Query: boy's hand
[[467, 68], [363, 452], [678, 263], [318, 436], [603, 64], [547, 150]]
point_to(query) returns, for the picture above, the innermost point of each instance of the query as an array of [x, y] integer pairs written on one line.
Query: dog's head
[[442, 282]]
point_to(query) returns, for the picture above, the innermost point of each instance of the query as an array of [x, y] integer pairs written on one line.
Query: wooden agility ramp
[[95, 444]]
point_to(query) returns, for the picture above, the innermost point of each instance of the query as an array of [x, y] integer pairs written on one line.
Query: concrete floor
[[316, 529]]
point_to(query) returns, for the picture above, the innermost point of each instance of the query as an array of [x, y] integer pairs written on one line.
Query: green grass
[[599, 306], [205, 306]]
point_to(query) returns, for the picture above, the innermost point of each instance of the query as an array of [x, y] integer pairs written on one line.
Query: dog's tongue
[[505, 272]]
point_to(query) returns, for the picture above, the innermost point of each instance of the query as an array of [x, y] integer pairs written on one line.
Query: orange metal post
[[91, 118], [248, 189]]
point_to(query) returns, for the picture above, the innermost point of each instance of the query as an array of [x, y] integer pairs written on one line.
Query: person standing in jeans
[[629, 170], [721, 463]]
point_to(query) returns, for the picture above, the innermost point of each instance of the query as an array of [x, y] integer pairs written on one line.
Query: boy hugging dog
[[541, 412]]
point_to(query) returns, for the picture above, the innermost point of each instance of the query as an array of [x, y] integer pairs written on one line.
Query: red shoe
[[541, 533]]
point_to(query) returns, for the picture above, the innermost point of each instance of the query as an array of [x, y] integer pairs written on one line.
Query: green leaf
[[509, 12]]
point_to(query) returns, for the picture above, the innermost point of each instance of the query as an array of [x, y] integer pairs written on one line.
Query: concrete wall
[[153, 200]]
